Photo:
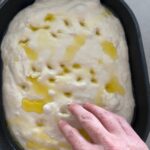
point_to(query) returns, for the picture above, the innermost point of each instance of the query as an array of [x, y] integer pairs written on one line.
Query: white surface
[[142, 11]]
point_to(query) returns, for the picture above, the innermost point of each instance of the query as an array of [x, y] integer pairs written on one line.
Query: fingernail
[[71, 105]]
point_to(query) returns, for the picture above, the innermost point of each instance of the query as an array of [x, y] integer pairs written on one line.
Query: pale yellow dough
[[58, 52]]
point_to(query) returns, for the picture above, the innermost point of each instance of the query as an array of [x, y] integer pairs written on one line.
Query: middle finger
[[90, 123]]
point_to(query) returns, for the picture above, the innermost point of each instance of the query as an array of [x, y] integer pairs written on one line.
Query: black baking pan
[[140, 81]]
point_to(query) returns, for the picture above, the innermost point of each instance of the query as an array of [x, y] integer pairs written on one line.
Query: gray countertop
[[141, 9], [142, 13]]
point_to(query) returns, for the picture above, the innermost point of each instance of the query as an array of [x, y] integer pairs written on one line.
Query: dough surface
[[58, 52]]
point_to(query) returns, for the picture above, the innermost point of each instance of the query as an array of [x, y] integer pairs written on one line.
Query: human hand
[[108, 131]]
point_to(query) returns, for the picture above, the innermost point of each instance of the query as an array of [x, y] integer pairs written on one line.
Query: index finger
[[72, 135]]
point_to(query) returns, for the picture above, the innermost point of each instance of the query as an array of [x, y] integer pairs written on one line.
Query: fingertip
[[87, 104], [72, 107], [93, 107]]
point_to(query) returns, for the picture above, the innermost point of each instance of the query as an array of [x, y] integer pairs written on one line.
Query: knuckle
[[86, 118], [115, 145], [109, 140], [70, 134], [107, 116]]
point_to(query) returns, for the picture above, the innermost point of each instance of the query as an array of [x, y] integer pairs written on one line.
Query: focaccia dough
[[58, 52]]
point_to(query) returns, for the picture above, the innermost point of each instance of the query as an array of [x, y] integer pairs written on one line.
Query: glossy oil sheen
[[140, 123]]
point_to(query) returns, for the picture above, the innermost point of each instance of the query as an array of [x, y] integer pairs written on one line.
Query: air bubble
[[68, 94], [36, 28], [97, 32], [23, 86], [50, 17], [65, 69], [49, 67], [76, 66], [52, 80], [92, 71], [54, 35], [39, 123], [35, 69], [79, 78], [24, 41], [94, 80], [82, 23], [67, 23]]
